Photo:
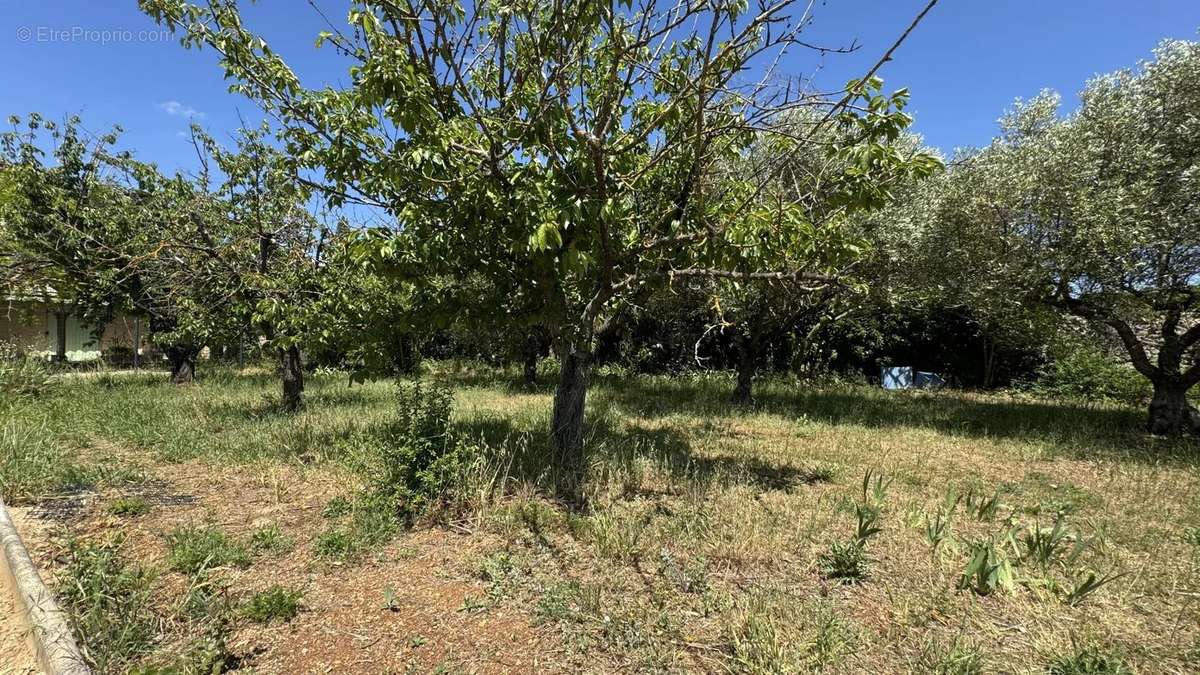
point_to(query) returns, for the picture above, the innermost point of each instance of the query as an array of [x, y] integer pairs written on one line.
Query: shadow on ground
[[620, 453], [1077, 430]]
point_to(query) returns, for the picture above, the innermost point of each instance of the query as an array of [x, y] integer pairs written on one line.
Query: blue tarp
[[903, 377], [897, 377], [929, 381]]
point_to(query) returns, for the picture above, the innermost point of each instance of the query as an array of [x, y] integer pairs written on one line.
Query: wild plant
[[845, 561], [271, 539], [937, 530], [108, 604], [1087, 586], [195, 549], [867, 517], [1089, 661], [982, 508], [988, 569], [875, 487], [1045, 545], [274, 605]]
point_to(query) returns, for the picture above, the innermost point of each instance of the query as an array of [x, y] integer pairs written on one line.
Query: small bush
[[195, 549], [108, 604], [128, 506], [420, 467], [276, 604], [422, 462]]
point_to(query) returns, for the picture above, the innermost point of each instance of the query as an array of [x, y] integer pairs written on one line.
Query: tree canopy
[[583, 145], [1094, 214]]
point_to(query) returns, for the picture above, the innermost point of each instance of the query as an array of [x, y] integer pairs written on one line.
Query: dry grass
[[701, 541]]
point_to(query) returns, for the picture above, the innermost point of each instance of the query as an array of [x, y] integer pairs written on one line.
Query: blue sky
[[965, 64]]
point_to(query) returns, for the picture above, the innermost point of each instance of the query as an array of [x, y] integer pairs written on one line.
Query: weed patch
[[195, 549], [274, 605], [108, 604]]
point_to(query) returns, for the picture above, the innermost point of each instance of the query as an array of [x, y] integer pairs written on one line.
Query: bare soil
[[344, 625]]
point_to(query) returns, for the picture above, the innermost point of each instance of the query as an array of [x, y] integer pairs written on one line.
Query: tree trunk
[[60, 339], [743, 393], [566, 424], [989, 362], [183, 363], [1170, 412], [291, 370], [531, 363]]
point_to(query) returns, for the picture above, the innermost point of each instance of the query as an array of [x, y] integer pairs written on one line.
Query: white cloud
[[177, 108]]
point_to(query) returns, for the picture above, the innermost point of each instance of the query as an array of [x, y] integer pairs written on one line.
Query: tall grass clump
[[192, 550], [32, 465], [108, 605], [21, 375]]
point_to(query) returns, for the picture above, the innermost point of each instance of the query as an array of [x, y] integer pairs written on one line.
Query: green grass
[[271, 540], [703, 532], [195, 549], [274, 605], [1090, 661], [109, 604], [128, 506]]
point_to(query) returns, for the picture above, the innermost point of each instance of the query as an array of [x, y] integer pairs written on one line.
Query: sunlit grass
[[702, 538]]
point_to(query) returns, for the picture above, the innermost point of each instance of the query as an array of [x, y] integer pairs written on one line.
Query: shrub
[[107, 603], [276, 604], [195, 549], [422, 461], [1085, 373]]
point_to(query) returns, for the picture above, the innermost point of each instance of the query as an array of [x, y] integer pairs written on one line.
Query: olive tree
[[1094, 214], [576, 143]]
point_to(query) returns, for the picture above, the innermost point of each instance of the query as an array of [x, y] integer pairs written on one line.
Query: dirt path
[[16, 657]]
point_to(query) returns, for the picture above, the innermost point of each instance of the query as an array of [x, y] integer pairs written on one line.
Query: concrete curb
[[49, 634]]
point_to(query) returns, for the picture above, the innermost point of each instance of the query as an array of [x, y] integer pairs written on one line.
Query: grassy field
[[836, 529]]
